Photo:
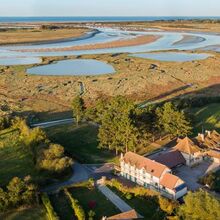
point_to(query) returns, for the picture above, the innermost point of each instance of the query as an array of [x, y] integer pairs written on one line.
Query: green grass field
[[81, 143], [207, 117], [15, 158], [36, 213]]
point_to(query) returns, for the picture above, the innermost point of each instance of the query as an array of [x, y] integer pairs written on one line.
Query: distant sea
[[95, 19]]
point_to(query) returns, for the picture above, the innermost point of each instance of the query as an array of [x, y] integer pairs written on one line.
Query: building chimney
[[201, 136], [208, 132], [122, 156]]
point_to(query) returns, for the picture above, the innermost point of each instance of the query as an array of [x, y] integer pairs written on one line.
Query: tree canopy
[[78, 108], [199, 205], [53, 159], [172, 121], [117, 129]]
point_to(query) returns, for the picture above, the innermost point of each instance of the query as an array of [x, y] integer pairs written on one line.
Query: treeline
[[123, 125]]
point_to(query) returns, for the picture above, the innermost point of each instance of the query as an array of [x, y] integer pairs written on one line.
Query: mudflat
[[37, 35], [140, 40]]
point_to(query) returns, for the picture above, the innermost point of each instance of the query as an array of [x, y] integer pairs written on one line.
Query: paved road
[[53, 123], [116, 200], [80, 174]]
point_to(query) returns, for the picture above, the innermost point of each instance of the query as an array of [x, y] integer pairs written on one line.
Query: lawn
[[147, 207], [103, 206], [207, 117], [62, 206], [36, 213], [15, 158], [84, 195], [80, 142]]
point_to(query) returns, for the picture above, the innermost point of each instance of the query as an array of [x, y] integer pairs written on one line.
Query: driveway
[[116, 200], [192, 175], [53, 123], [80, 174]]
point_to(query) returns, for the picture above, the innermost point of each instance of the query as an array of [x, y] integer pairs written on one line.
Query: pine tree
[[78, 109], [117, 131], [172, 121]]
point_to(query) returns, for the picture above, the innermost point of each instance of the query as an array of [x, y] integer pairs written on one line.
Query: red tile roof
[[211, 139], [214, 154], [126, 216], [171, 159], [152, 167], [187, 146], [169, 181]]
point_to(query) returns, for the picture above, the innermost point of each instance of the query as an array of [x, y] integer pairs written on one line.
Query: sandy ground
[[38, 35], [135, 78], [140, 40]]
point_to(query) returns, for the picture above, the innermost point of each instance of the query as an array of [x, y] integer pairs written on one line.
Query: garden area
[[88, 197], [80, 142]]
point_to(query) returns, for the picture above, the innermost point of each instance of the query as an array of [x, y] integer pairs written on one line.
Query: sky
[[109, 7]]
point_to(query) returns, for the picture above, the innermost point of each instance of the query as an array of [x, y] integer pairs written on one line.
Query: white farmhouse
[[152, 174]]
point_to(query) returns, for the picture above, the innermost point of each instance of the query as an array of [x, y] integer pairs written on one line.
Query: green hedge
[[78, 210], [52, 215]]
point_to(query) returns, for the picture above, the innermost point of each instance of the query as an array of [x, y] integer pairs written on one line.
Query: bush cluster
[[47, 156], [17, 193], [136, 191]]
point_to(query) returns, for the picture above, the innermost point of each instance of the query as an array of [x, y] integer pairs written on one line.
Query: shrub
[[136, 191], [78, 210], [167, 205], [51, 214], [91, 214], [53, 159], [19, 192], [128, 196]]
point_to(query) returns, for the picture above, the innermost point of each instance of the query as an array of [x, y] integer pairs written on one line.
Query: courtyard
[[191, 175]]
